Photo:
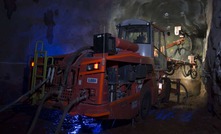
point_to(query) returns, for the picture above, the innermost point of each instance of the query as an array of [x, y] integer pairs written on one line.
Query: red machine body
[[126, 94], [116, 76], [115, 84], [126, 45]]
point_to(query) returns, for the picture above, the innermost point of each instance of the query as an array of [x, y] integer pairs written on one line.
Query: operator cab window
[[136, 34]]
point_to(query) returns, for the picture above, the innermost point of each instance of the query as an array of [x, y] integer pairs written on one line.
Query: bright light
[[92, 67], [191, 58], [96, 66], [160, 85], [181, 36], [177, 30], [32, 63]]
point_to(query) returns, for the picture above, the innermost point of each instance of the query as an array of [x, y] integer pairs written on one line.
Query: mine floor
[[169, 118]]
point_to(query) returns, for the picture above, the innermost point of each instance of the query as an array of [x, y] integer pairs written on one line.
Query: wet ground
[[169, 118]]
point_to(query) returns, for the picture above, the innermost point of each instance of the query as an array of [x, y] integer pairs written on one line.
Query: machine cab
[[150, 39]]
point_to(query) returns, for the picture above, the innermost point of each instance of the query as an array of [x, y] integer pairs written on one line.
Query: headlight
[[32, 64], [94, 66]]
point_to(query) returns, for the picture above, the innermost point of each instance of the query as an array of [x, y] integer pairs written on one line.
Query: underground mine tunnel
[[119, 66]]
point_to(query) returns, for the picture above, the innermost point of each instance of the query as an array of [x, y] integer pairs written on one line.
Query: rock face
[[213, 61], [63, 26], [189, 14]]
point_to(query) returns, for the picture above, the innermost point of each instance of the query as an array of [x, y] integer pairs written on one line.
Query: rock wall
[[63, 26], [212, 69]]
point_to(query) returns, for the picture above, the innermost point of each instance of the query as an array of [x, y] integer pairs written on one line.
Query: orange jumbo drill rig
[[114, 79]]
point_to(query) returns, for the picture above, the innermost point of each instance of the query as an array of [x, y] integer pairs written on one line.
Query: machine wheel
[[145, 105]]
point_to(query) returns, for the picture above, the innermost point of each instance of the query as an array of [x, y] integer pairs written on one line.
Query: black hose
[[71, 60], [21, 97], [170, 68], [184, 72], [68, 65], [39, 110], [77, 100], [61, 87]]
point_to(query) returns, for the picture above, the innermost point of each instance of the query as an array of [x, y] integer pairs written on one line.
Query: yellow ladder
[[39, 70]]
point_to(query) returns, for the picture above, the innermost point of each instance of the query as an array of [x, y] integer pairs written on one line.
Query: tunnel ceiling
[[190, 14]]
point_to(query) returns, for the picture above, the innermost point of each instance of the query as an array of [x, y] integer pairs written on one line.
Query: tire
[[145, 105]]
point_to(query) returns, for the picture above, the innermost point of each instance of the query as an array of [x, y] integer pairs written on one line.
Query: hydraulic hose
[[61, 87], [26, 94], [69, 63], [77, 100], [39, 110]]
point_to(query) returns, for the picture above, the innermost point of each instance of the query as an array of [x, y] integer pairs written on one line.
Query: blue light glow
[[72, 124], [186, 117], [169, 114], [165, 115]]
